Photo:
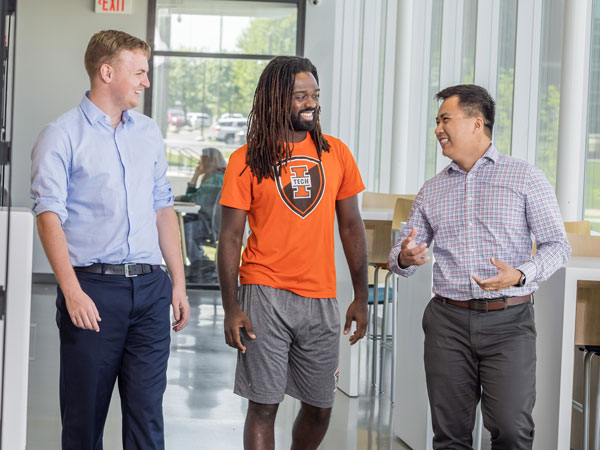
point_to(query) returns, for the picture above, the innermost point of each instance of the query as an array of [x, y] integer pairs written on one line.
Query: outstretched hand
[[412, 254], [507, 276]]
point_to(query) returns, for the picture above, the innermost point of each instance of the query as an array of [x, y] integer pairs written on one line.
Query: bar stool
[[374, 301], [383, 240], [589, 352]]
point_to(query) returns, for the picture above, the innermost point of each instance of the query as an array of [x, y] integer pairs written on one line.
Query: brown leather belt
[[485, 305]]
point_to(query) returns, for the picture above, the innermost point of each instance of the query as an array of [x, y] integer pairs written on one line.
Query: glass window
[[549, 88], [592, 169], [240, 27], [469, 37], [207, 58], [506, 75], [435, 58]]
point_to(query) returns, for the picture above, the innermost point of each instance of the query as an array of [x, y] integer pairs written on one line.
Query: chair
[[581, 227], [587, 340], [203, 271], [587, 334], [380, 238], [401, 211]]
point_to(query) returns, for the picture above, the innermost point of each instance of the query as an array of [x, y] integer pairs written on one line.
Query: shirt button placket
[[127, 192], [469, 219]]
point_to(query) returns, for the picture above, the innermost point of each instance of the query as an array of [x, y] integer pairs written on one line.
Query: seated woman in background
[[198, 227]]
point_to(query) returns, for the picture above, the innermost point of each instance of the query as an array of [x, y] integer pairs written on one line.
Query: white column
[[402, 90], [526, 85], [573, 108]]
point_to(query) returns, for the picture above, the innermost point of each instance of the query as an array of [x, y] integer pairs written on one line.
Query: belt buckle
[[478, 305], [127, 274]]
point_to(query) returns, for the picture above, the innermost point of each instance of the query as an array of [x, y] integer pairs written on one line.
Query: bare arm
[[233, 222], [168, 239], [352, 234], [80, 306]]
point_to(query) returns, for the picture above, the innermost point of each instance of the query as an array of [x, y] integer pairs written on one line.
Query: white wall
[[319, 48], [50, 77]]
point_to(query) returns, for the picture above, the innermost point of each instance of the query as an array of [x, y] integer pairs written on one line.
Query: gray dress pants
[[473, 355]]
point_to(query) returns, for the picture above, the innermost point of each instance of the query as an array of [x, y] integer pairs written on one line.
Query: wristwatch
[[522, 280]]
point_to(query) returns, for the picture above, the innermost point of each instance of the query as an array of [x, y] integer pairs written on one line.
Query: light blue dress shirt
[[104, 184]]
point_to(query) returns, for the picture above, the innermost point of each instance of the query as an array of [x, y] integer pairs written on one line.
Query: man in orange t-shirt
[[290, 180]]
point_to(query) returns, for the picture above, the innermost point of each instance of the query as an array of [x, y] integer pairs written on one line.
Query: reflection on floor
[[200, 410]]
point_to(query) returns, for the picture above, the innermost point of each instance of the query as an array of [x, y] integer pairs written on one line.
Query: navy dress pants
[[132, 346]]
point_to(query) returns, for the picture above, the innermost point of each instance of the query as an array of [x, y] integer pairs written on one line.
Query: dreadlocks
[[270, 126]]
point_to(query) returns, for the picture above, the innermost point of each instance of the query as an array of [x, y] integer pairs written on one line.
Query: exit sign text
[[114, 6]]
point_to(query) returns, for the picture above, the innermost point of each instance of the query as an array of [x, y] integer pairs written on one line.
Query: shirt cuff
[[53, 206], [395, 266], [164, 203], [530, 271]]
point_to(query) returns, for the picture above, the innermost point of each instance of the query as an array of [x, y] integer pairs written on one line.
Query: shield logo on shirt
[[301, 184]]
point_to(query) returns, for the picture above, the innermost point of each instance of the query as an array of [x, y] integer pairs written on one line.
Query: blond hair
[[105, 47]]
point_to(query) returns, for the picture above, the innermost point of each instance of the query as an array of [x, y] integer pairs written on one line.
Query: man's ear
[[479, 125], [106, 73]]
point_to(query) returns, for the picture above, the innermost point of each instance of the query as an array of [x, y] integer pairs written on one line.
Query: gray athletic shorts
[[296, 347]]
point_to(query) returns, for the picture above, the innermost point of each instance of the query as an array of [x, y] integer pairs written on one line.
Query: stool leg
[[394, 327], [587, 360], [597, 415], [382, 344], [374, 324]]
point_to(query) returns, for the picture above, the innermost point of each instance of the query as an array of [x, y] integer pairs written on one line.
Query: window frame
[[150, 35]]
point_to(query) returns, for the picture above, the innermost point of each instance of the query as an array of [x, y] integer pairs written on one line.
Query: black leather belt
[[128, 270], [485, 305]]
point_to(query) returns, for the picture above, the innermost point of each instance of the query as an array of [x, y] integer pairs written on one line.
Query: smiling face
[[305, 103], [129, 78], [461, 137]]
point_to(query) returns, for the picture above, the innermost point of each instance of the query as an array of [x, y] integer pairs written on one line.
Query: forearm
[[229, 265], [169, 242], [546, 224], [549, 257], [56, 249], [191, 187], [355, 248]]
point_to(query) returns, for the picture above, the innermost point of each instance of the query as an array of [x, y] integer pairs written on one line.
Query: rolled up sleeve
[[546, 224], [50, 168]]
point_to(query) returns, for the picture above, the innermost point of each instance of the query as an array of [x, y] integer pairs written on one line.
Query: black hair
[[270, 126], [473, 100]]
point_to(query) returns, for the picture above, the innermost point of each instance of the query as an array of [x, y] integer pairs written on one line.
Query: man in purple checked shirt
[[481, 212]]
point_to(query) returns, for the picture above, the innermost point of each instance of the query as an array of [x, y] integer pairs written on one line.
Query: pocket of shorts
[[241, 296]]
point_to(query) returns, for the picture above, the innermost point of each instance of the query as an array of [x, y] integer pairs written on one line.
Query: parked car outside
[[232, 116], [176, 117], [197, 120], [226, 129]]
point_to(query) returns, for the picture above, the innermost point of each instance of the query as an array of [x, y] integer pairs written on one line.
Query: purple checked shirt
[[495, 210]]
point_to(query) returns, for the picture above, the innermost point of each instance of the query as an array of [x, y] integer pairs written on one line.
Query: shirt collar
[[95, 114], [491, 154]]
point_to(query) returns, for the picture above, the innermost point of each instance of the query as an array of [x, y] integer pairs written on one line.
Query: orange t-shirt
[[291, 246]]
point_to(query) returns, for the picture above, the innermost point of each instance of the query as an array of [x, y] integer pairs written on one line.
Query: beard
[[300, 124]]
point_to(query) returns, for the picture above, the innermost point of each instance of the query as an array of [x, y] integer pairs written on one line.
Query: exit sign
[[114, 6]]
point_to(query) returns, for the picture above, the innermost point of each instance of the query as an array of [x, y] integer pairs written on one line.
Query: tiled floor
[[200, 410]]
